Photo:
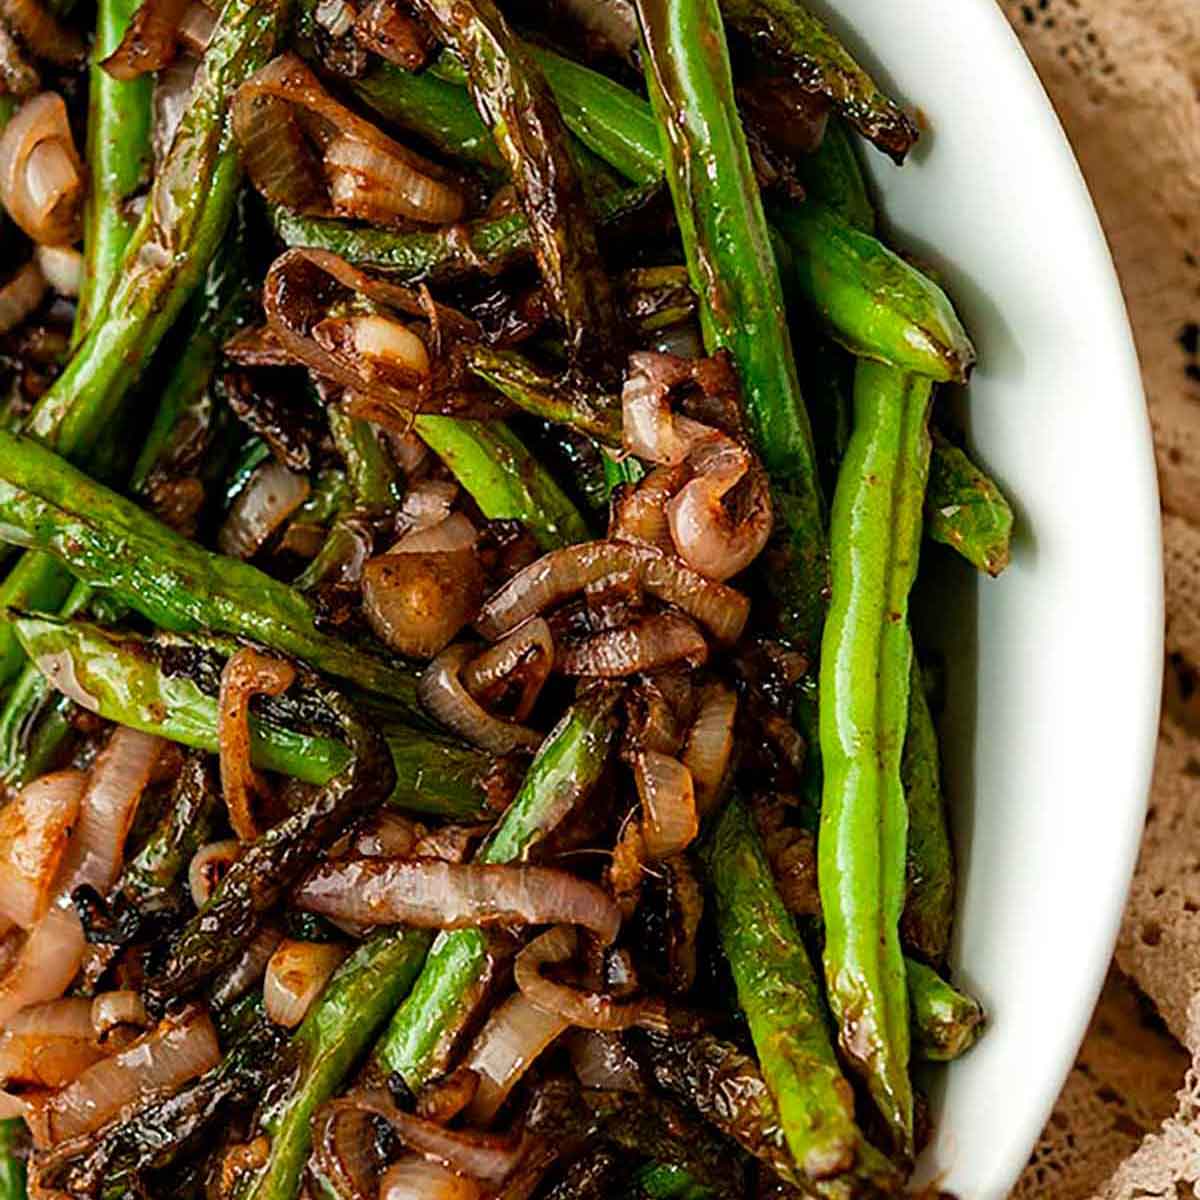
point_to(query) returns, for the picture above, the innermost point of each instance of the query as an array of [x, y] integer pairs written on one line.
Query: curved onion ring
[[247, 673], [655, 641], [669, 820], [442, 691], [21, 295], [527, 653], [150, 39], [434, 894], [561, 573], [589, 1010], [709, 745], [41, 174]]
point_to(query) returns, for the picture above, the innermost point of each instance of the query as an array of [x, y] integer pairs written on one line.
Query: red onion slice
[[296, 976], [525, 657], [515, 1034], [416, 1178], [560, 574], [180, 1049], [110, 1010], [271, 496], [669, 821], [589, 1010], [107, 808], [709, 745], [434, 894], [639, 514], [41, 174], [247, 673], [442, 692], [46, 964], [34, 832], [48, 1045], [368, 183], [150, 39], [208, 867], [655, 641], [650, 429]]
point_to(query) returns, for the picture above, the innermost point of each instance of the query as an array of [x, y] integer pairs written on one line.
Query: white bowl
[[1054, 670]]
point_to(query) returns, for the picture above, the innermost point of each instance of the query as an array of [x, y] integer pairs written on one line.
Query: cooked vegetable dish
[[462, 477]]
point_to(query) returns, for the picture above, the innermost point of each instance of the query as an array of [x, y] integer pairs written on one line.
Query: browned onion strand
[[709, 746], [507, 1046], [249, 968], [655, 641], [340, 165], [442, 691], [560, 574], [344, 1148], [21, 295], [196, 27], [526, 654], [48, 960], [434, 894], [384, 30], [296, 976], [34, 830], [589, 1010], [107, 809], [110, 1010], [416, 1178], [208, 867], [182, 1047], [150, 39], [639, 514], [48, 1045], [267, 501], [247, 673], [669, 820], [487, 1157], [45, 36], [41, 173]]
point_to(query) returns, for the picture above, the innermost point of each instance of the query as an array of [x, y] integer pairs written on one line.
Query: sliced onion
[[149, 41], [444, 1098], [336, 17], [62, 267], [34, 831], [655, 641], [445, 537], [196, 27], [261, 508], [370, 184], [110, 1010], [172, 94], [669, 820], [561, 573], [639, 514], [209, 866], [394, 36], [47, 962], [427, 504], [416, 602], [515, 1034], [180, 1049], [650, 429], [488, 1157], [296, 976], [41, 174], [45, 36], [371, 175], [107, 808], [602, 1061], [380, 346], [706, 535], [525, 656], [247, 673], [248, 968], [709, 744], [387, 835], [434, 894], [48, 1045], [346, 1151], [589, 1010], [442, 692], [416, 1178], [21, 295]]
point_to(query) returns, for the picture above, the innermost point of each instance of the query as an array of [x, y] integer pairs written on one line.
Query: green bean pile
[[463, 473]]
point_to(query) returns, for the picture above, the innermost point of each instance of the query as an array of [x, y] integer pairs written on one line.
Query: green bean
[[360, 997], [779, 992], [12, 1162], [929, 902], [864, 674], [267, 867], [185, 218], [157, 686], [784, 29], [515, 102], [370, 470], [569, 400], [965, 509], [946, 1022], [734, 275], [832, 178], [112, 545], [567, 768], [870, 299], [119, 154], [503, 478]]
